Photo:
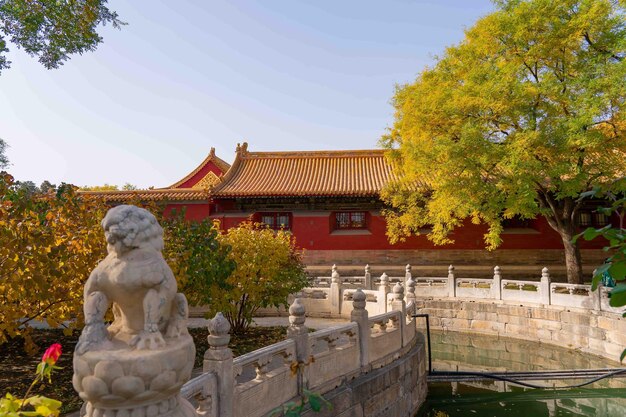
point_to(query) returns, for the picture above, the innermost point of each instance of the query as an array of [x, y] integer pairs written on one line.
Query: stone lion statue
[[136, 282]]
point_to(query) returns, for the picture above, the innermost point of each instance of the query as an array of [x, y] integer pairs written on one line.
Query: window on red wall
[[347, 220], [276, 221], [592, 218]]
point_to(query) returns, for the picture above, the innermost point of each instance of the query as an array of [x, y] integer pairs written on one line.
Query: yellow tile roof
[[164, 194], [220, 163], [307, 173]]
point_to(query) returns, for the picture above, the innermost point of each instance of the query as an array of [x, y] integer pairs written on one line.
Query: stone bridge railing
[[356, 358], [335, 289], [567, 315]]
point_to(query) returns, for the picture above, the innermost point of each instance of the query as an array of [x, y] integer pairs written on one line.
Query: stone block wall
[[395, 390], [598, 332]]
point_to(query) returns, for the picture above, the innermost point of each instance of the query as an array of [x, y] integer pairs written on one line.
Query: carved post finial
[[383, 289], [219, 332], [335, 291], [297, 313], [368, 278], [451, 282], [360, 316], [358, 299], [410, 288], [496, 288], [544, 286], [398, 292]]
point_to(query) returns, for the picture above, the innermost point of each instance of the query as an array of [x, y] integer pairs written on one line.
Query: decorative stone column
[[299, 332], [496, 288], [136, 366], [335, 291], [398, 304], [544, 286], [407, 273], [451, 282], [360, 317], [219, 359], [410, 290], [368, 278], [383, 290]]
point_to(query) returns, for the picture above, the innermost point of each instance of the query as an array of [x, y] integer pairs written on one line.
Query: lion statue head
[[129, 227]]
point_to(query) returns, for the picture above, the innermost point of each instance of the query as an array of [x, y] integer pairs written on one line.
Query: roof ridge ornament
[[242, 148]]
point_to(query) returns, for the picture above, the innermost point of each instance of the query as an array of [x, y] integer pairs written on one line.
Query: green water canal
[[487, 398]]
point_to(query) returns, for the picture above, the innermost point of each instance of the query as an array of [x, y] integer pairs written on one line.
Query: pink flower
[[52, 354]]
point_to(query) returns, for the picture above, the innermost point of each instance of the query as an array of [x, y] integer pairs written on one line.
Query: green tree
[[105, 187], [129, 187], [518, 119], [4, 161], [52, 30], [268, 268], [197, 258], [615, 264]]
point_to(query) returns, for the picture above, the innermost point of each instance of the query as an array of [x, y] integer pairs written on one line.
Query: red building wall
[[314, 232]]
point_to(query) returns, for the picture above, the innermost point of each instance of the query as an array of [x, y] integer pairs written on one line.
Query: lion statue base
[[135, 366]]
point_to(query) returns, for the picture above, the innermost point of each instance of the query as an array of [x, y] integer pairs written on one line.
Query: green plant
[[197, 258], [269, 268], [294, 409], [518, 119], [11, 406], [615, 263]]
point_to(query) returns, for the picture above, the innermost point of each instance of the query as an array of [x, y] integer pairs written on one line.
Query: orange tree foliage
[[50, 243], [268, 268], [48, 246]]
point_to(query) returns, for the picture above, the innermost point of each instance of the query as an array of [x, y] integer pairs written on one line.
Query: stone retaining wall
[[597, 332], [395, 390]]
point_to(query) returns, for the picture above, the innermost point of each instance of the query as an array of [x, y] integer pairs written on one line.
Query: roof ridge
[[320, 153]]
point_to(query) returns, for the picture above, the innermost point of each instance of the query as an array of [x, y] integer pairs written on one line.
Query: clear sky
[[184, 76]]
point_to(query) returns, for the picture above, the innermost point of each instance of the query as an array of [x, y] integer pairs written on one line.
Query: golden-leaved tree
[[50, 243], [48, 246], [268, 268], [519, 119]]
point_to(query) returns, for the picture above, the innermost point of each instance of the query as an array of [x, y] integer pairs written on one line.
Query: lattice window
[[350, 220], [276, 221]]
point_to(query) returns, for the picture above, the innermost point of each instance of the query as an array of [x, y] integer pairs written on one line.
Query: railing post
[[544, 286], [219, 359], [597, 296], [360, 317], [298, 331], [496, 288], [407, 273], [335, 292], [383, 290], [398, 304], [451, 282], [368, 278], [410, 290]]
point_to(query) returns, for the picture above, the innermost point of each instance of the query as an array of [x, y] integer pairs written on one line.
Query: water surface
[[488, 398]]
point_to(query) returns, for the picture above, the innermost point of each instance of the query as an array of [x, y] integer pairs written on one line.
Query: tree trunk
[[573, 261], [564, 219]]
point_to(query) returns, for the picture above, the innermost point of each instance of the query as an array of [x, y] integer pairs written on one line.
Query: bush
[[269, 268]]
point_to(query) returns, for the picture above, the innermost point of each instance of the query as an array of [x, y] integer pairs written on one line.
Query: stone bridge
[[369, 366], [352, 364], [567, 315]]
